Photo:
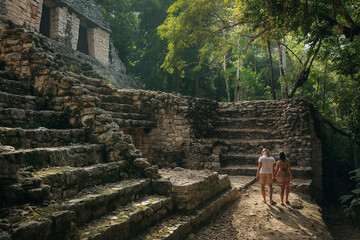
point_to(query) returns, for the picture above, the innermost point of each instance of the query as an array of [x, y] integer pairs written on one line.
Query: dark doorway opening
[[45, 21], [83, 45]]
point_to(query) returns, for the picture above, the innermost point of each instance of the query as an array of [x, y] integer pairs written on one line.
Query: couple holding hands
[[267, 175]]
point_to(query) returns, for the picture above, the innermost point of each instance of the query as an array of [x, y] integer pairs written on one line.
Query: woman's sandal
[[287, 202], [273, 203]]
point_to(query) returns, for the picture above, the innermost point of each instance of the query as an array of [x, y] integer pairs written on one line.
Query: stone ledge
[[125, 222], [191, 189], [76, 155], [15, 117], [8, 100], [40, 137], [177, 227], [15, 87], [66, 182], [102, 199]]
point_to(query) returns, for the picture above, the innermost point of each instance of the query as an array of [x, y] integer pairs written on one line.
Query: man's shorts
[[266, 177]]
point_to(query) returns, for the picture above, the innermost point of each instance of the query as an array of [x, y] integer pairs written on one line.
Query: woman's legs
[[287, 190], [270, 191], [282, 188], [263, 191]]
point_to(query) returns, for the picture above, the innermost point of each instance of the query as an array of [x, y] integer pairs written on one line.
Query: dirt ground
[[251, 219]]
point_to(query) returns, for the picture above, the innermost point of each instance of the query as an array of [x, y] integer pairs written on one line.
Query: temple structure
[[79, 32]]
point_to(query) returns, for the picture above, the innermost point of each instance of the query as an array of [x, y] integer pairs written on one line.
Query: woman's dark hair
[[282, 156]]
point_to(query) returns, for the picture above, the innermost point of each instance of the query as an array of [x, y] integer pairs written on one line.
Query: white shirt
[[267, 164]]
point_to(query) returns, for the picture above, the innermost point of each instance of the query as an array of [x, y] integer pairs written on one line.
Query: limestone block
[[141, 163], [33, 230]]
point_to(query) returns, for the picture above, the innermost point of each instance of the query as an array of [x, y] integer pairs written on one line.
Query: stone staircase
[[68, 171], [248, 128], [126, 113]]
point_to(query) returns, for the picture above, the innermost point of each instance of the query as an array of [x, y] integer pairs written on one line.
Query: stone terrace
[[68, 170]]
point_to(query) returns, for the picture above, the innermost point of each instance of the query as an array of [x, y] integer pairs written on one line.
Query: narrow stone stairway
[[246, 129]]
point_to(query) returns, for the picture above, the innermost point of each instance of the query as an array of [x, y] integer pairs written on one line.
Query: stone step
[[251, 146], [132, 116], [248, 134], [90, 204], [59, 183], [178, 226], [250, 113], [124, 222], [117, 107], [41, 137], [246, 123], [130, 123], [105, 198], [117, 98], [98, 88], [74, 156], [191, 189], [8, 100], [15, 87], [7, 75], [15, 117], [66, 182], [250, 170], [239, 159]]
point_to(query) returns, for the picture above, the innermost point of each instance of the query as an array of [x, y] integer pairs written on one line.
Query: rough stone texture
[[32, 61], [98, 41], [192, 189], [114, 73], [89, 10], [179, 120], [24, 12], [64, 29]]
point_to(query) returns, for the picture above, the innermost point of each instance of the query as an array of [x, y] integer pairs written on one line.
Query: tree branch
[[256, 36], [345, 13], [292, 52], [304, 75]]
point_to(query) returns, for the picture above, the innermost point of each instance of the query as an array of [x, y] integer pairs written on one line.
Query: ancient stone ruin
[[78, 30], [80, 159]]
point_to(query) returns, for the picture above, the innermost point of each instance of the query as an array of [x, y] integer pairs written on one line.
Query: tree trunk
[[271, 71], [237, 88], [226, 81], [282, 68]]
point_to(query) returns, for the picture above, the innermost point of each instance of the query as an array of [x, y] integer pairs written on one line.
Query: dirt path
[[251, 219]]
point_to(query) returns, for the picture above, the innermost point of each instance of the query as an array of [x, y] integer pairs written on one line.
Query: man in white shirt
[[265, 173]]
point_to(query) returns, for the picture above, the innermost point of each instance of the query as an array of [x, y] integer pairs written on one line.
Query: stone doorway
[[83, 45], [45, 21]]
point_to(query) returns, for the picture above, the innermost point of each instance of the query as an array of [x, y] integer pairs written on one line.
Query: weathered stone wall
[[64, 26], [179, 121], [98, 40], [64, 23], [114, 73], [3, 7], [74, 31], [316, 158], [24, 12], [102, 62], [88, 10], [188, 131]]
